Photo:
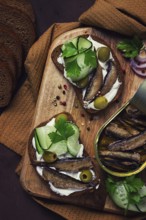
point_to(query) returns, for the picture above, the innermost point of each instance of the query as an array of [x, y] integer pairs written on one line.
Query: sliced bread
[[23, 5], [6, 84], [11, 40], [20, 23], [6, 56]]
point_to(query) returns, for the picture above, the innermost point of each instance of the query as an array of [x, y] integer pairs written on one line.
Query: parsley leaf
[[69, 131], [55, 137], [90, 58], [130, 48], [63, 131], [73, 69], [132, 184], [110, 185], [69, 50]]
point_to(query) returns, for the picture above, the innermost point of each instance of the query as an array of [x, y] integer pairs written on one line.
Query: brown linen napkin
[[17, 118], [126, 17]]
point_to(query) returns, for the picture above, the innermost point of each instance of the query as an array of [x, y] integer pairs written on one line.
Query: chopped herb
[[130, 48], [132, 185], [55, 137], [90, 58], [63, 131], [73, 69], [69, 50]]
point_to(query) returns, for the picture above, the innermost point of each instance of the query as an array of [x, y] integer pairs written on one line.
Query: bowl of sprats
[[120, 144]]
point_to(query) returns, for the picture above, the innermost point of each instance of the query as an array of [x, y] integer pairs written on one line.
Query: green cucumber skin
[[43, 138], [75, 41], [38, 147], [83, 44], [75, 136], [120, 199]]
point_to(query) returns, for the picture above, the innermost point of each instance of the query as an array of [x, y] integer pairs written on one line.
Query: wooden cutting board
[[53, 85]]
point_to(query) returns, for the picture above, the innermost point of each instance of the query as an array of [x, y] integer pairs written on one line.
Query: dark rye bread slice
[[6, 84], [20, 23], [55, 54], [32, 154], [23, 5], [6, 56], [11, 40]]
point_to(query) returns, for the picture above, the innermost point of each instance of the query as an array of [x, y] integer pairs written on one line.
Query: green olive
[[86, 176], [61, 116], [83, 82], [100, 102], [103, 54], [49, 157]]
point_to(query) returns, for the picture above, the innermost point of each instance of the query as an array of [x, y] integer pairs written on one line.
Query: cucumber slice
[[69, 49], [142, 191], [121, 199], [142, 205], [75, 41], [38, 147], [80, 60], [73, 146], [42, 135], [72, 142], [70, 59], [120, 196], [60, 148], [77, 62], [83, 44], [85, 69]]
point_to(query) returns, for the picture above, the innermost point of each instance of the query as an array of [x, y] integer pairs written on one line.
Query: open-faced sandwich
[[60, 159], [92, 68]]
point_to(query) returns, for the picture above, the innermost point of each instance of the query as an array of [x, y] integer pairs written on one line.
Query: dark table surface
[[15, 203]]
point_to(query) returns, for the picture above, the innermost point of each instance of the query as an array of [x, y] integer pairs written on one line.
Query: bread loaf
[[6, 56], [23, 5], [17, 34], [11, 40], [6, 84], [20, 23]]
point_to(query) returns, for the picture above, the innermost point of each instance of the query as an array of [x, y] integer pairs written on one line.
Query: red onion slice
[[140, 72], [137, 65], [141, 57]]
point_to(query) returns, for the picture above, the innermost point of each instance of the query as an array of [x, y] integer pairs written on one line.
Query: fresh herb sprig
[[71, 53], [69, 50], [130, 47], [63, 131], [132, 185]]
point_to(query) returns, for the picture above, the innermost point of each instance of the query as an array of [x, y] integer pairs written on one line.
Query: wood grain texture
[[45, 109]]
